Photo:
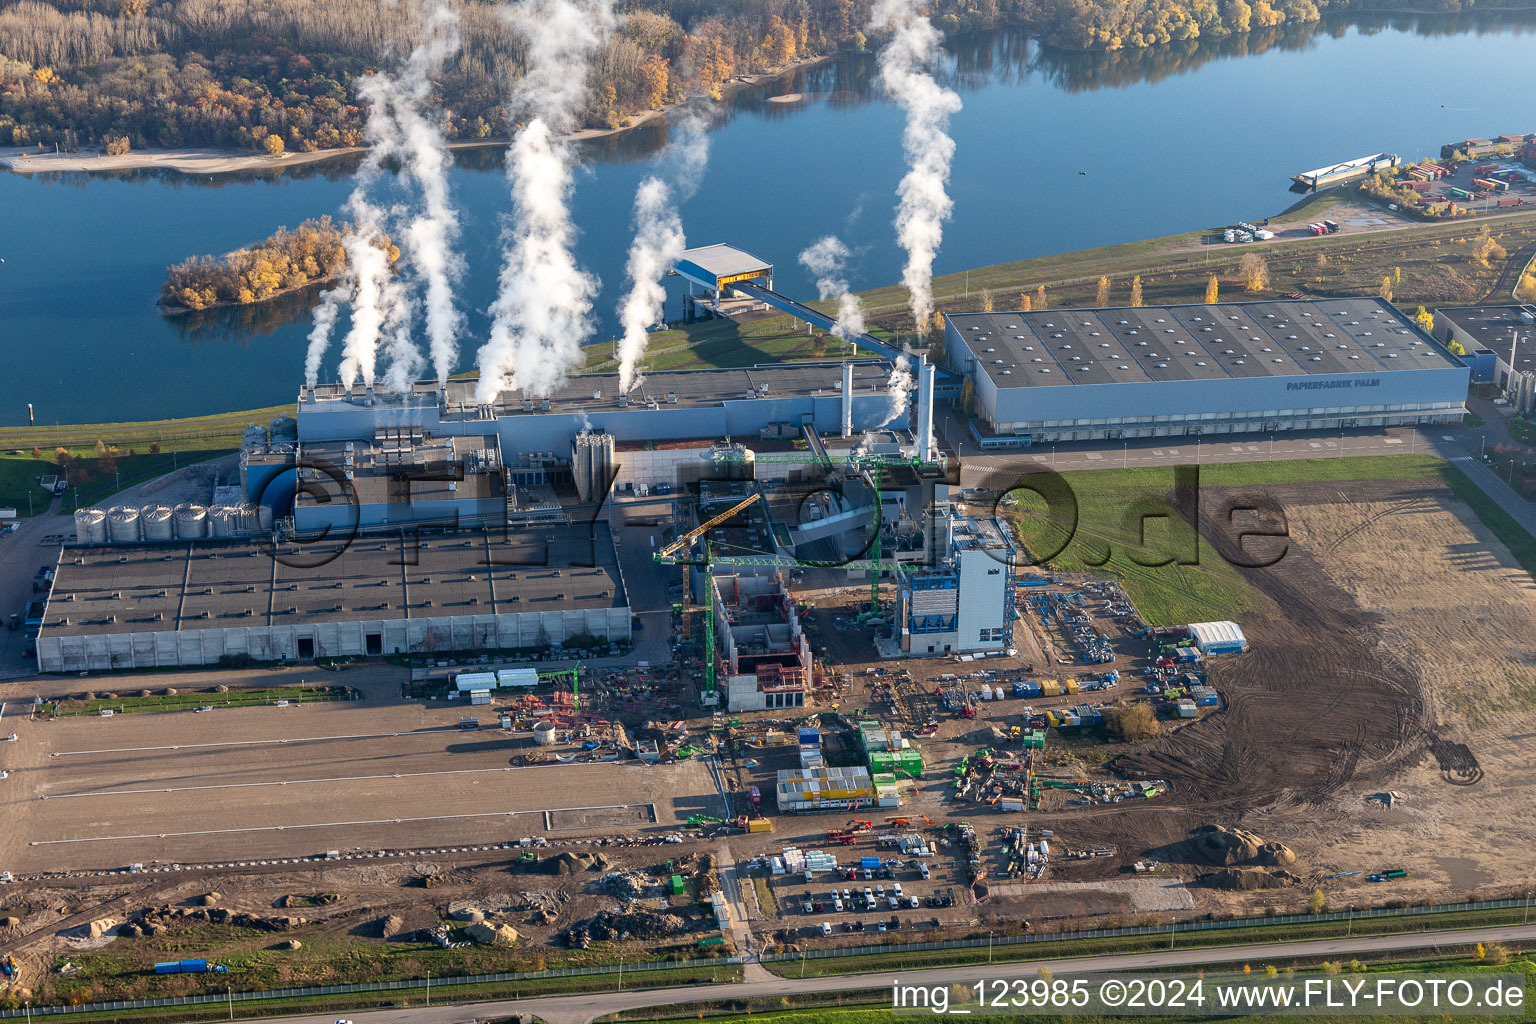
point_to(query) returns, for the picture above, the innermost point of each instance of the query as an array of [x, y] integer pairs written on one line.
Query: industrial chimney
[[925, 376], [847, 399]]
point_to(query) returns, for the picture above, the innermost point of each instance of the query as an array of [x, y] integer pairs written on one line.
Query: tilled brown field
[[1312, 703], [1395, 657]]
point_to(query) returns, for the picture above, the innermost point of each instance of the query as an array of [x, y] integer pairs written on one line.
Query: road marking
[[257, 743], [318, 824], [279, 782], [1393, 440]]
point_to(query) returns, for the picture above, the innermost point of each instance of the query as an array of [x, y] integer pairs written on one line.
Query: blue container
[[809, 737], [1026, 688], [869, 862]]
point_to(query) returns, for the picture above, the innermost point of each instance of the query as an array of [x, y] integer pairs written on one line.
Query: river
[[1174, 138]]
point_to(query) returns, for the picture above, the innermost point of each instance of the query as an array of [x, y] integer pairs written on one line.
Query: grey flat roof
[[382, 470], [594, 391], [1138, 344], [223, 584], [722, 260], [1494, 327]]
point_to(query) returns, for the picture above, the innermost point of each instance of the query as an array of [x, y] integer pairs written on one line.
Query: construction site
[[1098, 770]]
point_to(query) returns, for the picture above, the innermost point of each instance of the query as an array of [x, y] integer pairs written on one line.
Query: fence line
[[367, 986], [1164, 929]]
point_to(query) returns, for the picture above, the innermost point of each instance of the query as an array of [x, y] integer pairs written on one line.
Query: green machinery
[[575, 674], [871, 465]]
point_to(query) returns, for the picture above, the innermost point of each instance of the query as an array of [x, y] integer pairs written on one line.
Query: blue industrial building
[[1225, 368]]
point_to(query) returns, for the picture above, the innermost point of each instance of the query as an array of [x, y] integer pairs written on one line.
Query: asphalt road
[[585, 1007]]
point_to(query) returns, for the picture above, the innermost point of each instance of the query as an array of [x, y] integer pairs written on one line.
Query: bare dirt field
[[1449, 611], [266, 782], [1395, 658]]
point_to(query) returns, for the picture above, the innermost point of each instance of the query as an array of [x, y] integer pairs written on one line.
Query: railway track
[[1513, 266]]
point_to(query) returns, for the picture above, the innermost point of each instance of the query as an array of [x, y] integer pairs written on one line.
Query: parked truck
[[189, 967]]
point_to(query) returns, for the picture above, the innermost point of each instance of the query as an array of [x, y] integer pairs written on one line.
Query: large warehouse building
[[211, 602], [1171, 371]]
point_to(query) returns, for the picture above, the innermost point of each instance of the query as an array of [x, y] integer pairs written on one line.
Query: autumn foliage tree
[[1102, 298], [1254, 271], [288, 259], [1212, 290], [1136, 290], [1040, 302]]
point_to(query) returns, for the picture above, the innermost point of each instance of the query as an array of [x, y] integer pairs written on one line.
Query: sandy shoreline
[[27, 160]]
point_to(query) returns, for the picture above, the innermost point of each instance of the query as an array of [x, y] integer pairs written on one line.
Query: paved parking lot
[[238, 783]]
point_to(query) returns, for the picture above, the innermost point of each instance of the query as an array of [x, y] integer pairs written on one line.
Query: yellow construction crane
[[694, 534]]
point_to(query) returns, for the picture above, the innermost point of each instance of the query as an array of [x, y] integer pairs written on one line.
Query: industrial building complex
[[1172, 371], [819, 446], [228, 602]]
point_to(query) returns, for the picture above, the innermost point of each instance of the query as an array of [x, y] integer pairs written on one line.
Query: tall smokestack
[[925, 376], [847, 399]]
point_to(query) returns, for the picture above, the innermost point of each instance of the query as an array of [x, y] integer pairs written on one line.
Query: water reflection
[[240, 324], [998, 57]]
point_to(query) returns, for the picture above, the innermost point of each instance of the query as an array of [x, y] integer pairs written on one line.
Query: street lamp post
[[989, 947]]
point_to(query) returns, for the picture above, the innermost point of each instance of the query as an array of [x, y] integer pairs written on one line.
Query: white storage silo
[[226, 521], [123, 526], [90, 526], [155, 521], [191, 521], [544, 734]]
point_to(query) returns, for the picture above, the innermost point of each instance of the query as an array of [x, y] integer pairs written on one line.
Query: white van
[[826, 929]]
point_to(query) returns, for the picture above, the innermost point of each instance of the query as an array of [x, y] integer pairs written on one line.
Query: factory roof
[[595, 392], [230, 584], [403, 466], [1141, 344], [1496, 327], [709, 263]]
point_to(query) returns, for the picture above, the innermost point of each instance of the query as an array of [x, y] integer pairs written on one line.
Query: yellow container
[[759, 825], [1050, 688], [1069, 686]]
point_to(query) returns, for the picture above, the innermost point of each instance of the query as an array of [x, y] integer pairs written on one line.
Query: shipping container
[[1511, 201]]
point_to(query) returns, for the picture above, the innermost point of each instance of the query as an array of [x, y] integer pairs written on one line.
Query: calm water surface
[[1183, 137]]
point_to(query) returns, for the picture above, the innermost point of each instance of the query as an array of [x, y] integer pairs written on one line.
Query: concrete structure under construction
[[211, 602], [1225, 368], [764, 657], [961, 601]]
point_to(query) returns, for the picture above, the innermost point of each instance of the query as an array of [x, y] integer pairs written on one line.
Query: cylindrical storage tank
[[191, 521], [90, 526], [156, 522], [263, 520], [123, 525], [226, 520], [544, 734]]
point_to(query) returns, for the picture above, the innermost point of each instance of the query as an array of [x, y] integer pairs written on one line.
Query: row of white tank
[[126, 524]]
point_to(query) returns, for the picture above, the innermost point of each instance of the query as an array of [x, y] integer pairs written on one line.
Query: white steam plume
[[659, 240], [899, 389], [924, 202], [368, 269], [430, 236], [541, 313], [320, 334], [826, 258], [381, 305]]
